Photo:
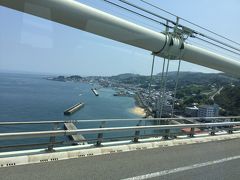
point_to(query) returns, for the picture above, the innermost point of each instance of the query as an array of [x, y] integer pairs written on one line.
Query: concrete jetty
[[73, 109], [95, 92], [78, 139]]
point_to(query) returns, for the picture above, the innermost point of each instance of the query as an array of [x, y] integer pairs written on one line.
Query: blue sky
[[32, 44]]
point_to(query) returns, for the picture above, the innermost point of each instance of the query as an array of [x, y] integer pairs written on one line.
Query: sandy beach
[[138, 111]]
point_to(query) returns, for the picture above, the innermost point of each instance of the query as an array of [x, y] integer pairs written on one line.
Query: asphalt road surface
[[214, 160]]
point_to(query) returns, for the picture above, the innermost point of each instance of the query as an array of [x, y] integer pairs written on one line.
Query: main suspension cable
[[174, 23]]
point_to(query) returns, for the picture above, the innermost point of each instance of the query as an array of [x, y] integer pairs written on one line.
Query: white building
[[208, 111]]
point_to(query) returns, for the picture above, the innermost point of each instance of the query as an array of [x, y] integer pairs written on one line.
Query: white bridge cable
[[92, 20]]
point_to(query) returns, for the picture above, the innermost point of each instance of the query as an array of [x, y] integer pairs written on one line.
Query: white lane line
[[180, 169]]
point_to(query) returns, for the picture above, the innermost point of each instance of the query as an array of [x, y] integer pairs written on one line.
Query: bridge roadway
[[182, 162]]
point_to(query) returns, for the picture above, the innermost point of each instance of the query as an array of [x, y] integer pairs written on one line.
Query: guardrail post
[[230, 130], [166, 132], [213, 130], [192, 132], [52, 139], [100, 135], [137, 133]]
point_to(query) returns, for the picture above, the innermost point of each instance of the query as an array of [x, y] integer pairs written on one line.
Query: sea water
[[27, 97]]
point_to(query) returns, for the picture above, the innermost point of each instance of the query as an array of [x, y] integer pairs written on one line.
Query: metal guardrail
[[111, 120], [20, 135], [211, 127]]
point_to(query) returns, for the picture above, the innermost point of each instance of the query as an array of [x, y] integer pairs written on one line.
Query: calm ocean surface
[[31, 97]]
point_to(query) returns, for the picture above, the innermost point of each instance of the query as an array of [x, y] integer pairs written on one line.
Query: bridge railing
[[135, 131], [224, 118]]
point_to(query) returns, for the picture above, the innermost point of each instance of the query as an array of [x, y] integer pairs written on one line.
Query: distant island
[[75, 78]]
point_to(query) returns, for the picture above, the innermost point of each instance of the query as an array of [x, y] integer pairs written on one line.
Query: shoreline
[[138, 111]]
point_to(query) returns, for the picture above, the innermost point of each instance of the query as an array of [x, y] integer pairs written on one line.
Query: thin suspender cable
[[150, 84], [162, 79], [151, 78], [161, 88], [176, 85], [164, 88]]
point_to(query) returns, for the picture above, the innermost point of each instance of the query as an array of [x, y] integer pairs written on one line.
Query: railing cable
[[134, 12], [201, 27], [226, 49], [181, 26]]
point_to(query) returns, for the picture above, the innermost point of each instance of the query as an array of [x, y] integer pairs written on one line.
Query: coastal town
[[152, 101]]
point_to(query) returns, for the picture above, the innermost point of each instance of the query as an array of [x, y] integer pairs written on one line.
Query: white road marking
[[180, 169]]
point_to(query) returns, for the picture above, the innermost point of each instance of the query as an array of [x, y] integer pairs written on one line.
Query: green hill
[[229, 100]]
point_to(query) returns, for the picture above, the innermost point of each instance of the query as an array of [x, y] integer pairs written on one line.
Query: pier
[[95, 92], [73, 109], [77, 139]]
